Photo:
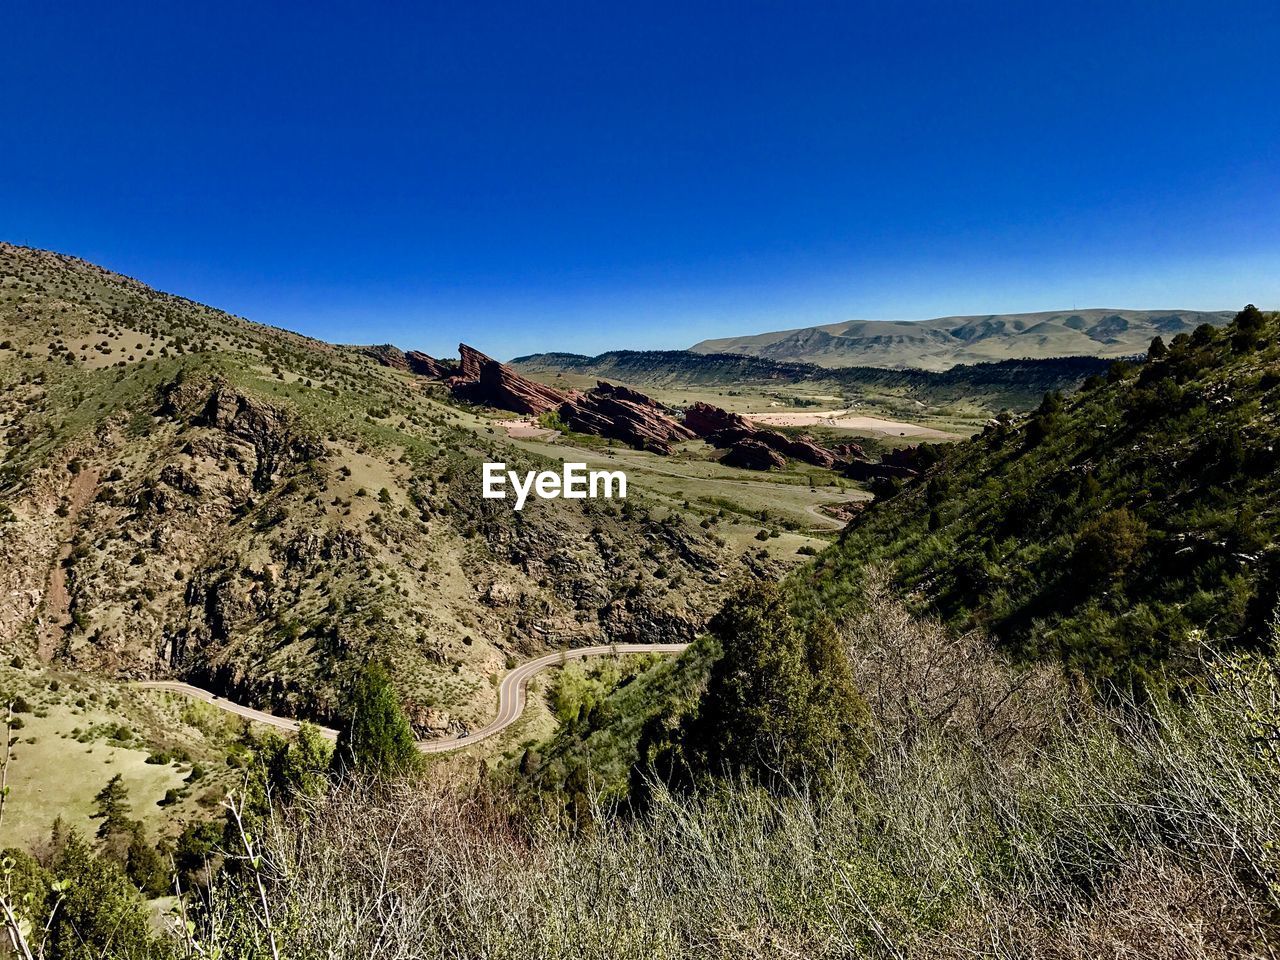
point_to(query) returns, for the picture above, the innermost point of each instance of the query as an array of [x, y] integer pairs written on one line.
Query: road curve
[[512, 694]]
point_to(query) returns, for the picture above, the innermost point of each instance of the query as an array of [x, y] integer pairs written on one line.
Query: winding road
[[512, 694]]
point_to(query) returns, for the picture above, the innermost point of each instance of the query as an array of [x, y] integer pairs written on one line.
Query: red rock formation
[[624, 414], [849, 451], [414, 361], [425, 366], [705, 420], [388, 356], [723, 429], [471, 362], [483, 380], [751, 454], [804, 449]]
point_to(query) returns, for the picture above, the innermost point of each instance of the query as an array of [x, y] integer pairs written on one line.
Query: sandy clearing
[[526, 429], [847, 420]]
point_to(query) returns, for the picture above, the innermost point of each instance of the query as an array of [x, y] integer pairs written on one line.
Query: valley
[[247, 564]]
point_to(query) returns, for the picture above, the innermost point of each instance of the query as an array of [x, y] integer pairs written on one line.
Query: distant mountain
[[946, 341]]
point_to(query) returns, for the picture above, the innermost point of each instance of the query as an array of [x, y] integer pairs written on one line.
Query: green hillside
[[1112, 528], [943, 342], [1112, 531]]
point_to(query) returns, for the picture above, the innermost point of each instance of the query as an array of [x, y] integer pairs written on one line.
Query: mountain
[[187, 494], [944, 342], [1114, 529]]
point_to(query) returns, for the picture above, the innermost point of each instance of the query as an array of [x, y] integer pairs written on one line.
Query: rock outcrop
[[751, 454], [483, 380], [388, 355], [706, 420], [425, 366], [626, 415], [721, 428], [414, 361]]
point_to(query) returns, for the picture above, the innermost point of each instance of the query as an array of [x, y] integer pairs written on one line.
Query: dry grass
[[992, 821]]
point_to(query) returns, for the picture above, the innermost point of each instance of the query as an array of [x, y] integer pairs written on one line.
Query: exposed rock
[[414, 361], [799, 448], [470, 362], [705, 420], [849, 451], [723, 429], [275, 435], [753, 455], [864, 470], [425, 366], [387, 355], [483, 380], [624, 414], [180, 479]]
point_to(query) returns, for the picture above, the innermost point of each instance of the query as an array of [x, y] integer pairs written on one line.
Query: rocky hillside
[[185, 493], [946, 341]]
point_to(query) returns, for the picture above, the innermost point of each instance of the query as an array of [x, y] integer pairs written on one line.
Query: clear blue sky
[[531, 176]]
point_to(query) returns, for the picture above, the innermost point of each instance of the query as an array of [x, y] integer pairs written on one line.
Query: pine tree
[[376, 737], [780, 704], [112, 808]]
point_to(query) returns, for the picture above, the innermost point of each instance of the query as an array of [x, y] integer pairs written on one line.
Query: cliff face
[[481, 379], [626, 415]]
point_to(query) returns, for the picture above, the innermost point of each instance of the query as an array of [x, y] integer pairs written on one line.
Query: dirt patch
[[527, 430], [847, 420], [56, 615]]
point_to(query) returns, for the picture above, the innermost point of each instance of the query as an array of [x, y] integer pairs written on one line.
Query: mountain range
[[944, 342]]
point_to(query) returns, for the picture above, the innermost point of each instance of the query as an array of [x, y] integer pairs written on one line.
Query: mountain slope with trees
[[1113, 529], [186, 493]]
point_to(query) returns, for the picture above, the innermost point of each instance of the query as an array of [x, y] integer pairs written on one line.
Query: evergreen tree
[[144, 865], [780, 704], [100, 913], [376, 737], [112, 808]]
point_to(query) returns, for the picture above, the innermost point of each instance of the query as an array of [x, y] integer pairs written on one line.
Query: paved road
[[512, 694]]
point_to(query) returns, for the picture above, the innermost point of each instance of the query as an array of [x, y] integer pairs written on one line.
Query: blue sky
[[569, 176]]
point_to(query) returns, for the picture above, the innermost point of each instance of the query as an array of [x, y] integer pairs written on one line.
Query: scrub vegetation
[[1025, 705]]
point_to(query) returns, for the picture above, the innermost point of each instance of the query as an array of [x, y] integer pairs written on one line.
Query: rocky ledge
[[626, 415]]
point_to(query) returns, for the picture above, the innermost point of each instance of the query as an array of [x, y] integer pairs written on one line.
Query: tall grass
[[974, 831]]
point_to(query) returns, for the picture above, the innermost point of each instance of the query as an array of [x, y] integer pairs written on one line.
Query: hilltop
[[944, 342]]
